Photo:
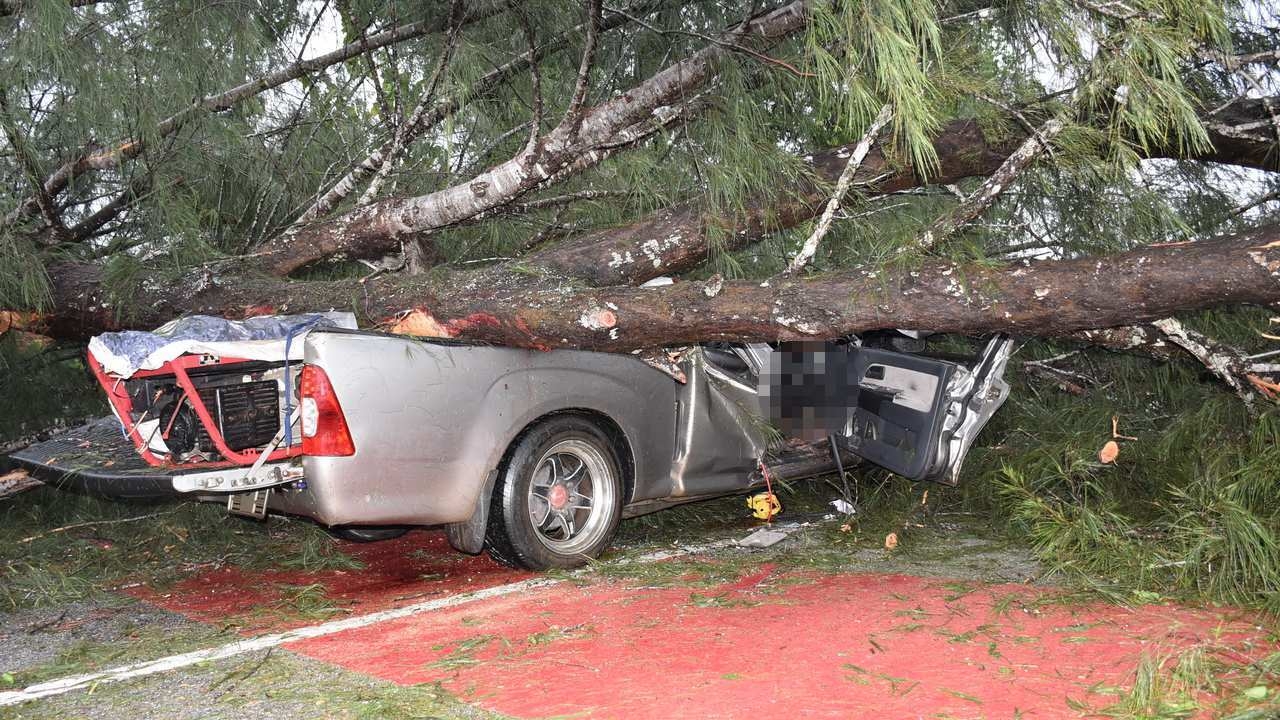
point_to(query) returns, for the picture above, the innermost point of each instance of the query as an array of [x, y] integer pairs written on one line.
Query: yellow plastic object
[[764, 505]]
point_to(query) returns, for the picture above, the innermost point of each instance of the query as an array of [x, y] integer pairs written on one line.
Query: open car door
[[914, 415], [918, 416]]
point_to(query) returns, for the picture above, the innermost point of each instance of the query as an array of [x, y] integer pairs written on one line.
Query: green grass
[[170, 541], [302, 688], [136, 644], [1190, 509], [1202, 681]]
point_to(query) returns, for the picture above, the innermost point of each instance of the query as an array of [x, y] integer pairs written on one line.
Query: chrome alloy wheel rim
[[570, 496]]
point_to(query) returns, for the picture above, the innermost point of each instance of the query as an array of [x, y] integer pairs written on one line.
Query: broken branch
[[979, 200], [810, 246]]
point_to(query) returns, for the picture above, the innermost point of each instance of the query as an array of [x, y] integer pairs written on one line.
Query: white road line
[[240, 647]]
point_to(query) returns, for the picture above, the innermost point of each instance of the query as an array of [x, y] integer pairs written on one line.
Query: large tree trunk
[[677, 238], [1046, 298]]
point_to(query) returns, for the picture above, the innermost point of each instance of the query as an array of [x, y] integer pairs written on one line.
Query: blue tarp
[[260, 338]]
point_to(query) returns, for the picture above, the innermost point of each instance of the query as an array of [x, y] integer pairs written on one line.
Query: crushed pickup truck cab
[[534, 456]]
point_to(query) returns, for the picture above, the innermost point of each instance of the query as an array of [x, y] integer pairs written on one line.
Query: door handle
[[880, 390]]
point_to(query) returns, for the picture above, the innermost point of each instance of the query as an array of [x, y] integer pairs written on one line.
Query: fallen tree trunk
[[1042, 298], [677, 238]]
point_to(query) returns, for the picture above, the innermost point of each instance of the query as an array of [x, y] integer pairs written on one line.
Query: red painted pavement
[[782, 646], [416, 567]]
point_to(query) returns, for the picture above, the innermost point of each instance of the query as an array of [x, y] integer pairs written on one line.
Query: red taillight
[[324, 428]]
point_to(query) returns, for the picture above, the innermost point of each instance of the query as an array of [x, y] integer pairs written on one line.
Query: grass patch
[[1189, 510], [174, 541], [136, 644], [290, 686], [1200, 681]]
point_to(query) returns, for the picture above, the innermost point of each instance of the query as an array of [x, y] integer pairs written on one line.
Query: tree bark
[[1044, 298]]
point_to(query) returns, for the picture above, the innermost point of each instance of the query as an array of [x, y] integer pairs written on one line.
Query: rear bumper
[[98, 459]]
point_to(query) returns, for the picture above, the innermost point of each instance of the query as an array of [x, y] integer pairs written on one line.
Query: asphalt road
[[951, 625]]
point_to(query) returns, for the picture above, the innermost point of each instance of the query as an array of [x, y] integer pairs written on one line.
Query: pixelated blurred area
[[808, 389]]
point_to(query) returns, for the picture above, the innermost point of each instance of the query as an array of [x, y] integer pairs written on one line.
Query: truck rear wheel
[[559, 497]]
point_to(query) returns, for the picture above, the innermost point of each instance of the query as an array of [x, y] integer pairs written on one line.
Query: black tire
[[535, 526], [367, 533]]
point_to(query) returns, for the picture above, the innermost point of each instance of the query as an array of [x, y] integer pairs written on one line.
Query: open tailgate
[[97, 458]]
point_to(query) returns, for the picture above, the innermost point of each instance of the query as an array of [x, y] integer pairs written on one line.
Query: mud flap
[[468, 536], [250, 504]]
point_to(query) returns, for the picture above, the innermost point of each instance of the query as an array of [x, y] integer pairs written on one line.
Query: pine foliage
[[1129, 78]]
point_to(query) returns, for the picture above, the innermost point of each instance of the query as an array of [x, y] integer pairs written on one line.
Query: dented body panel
[[430, 420]]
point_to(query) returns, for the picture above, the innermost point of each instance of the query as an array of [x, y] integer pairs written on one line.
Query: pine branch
[[664, 118], [729, 44], [1251, 204], [810, 246], [535, 82], [408, 129], [573, 116], [1118, 10], [111, 157], [558, 201], [483, 153], [30, 167], [979, 200], [1233, 62], [445, 108], [135, 192], [375, 228], [385, 109]]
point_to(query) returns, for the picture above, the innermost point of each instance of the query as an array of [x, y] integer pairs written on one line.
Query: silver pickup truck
[[534, 456]]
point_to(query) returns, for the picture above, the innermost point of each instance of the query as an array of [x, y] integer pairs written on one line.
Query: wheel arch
[[613, 431]]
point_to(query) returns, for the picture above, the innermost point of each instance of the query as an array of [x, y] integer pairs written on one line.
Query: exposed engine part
[[179, 425], [243, 401], [247, 413]]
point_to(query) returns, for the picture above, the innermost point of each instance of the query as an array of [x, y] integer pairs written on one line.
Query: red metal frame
[[123, 406]]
